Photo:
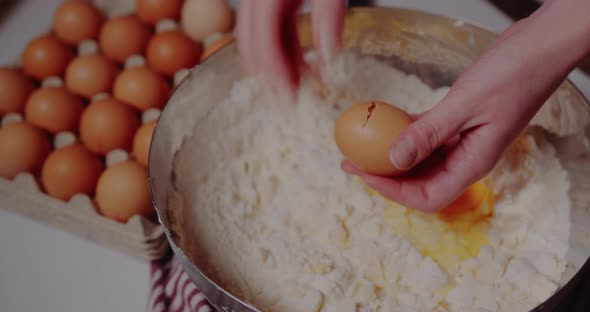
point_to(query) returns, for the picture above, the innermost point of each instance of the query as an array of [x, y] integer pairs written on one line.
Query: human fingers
[[244, 28], [490, 91], [428, 132], [267, 41], [439, 179], [328, 24]]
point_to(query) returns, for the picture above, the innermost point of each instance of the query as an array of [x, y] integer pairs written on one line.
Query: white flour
[[276, 221]]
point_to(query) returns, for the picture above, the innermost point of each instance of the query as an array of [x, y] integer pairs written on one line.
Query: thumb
[[422, 137]]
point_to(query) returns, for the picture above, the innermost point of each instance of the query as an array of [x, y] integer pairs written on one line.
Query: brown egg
[[108, 124], [46, 56], [142, 141], [54, 109], [123, 192], [89, 75], [77, 20], [171, 51], [201, 18], [153, 11], [216, 46], [364, 134], [15, 88], [122, 37], [24, 147], [141, 88], [71, 170]]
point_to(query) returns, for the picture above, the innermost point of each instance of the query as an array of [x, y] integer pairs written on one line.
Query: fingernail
[[404, 153]]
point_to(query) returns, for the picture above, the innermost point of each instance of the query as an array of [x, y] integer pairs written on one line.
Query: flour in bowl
[[274, 220]]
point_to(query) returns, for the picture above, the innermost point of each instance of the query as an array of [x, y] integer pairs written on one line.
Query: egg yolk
[[450, 237]]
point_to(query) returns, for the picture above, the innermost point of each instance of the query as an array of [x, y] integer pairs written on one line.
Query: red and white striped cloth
[[172, 290]]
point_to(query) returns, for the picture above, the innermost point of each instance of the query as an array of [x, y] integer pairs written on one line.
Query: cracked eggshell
[[364, 134]]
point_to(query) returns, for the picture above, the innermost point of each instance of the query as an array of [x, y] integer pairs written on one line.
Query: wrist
[[564, 29]]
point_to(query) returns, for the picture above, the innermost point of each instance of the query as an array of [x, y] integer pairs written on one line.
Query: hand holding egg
[[364, 134]]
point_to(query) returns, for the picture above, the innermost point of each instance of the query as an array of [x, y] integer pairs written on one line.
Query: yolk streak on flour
[[452, 236]]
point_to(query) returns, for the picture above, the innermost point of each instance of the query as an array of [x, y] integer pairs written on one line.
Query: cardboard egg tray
[[139, 238]]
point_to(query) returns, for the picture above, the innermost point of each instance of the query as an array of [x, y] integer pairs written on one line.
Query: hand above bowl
[[459, 141]]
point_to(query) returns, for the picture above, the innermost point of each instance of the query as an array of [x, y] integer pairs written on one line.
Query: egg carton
[[140, 237]]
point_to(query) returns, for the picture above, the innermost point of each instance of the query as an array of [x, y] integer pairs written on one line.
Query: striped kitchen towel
[[172, 290]]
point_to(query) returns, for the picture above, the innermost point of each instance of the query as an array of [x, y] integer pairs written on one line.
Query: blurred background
[[45, 269]]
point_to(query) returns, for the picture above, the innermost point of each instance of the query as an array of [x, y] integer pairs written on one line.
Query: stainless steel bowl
[[436, 49]]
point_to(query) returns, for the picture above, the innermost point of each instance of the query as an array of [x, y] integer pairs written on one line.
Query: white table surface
[[44, 269]]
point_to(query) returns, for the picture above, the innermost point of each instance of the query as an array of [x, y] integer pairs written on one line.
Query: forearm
[[552, 45], [562, 30], [526, 64]]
